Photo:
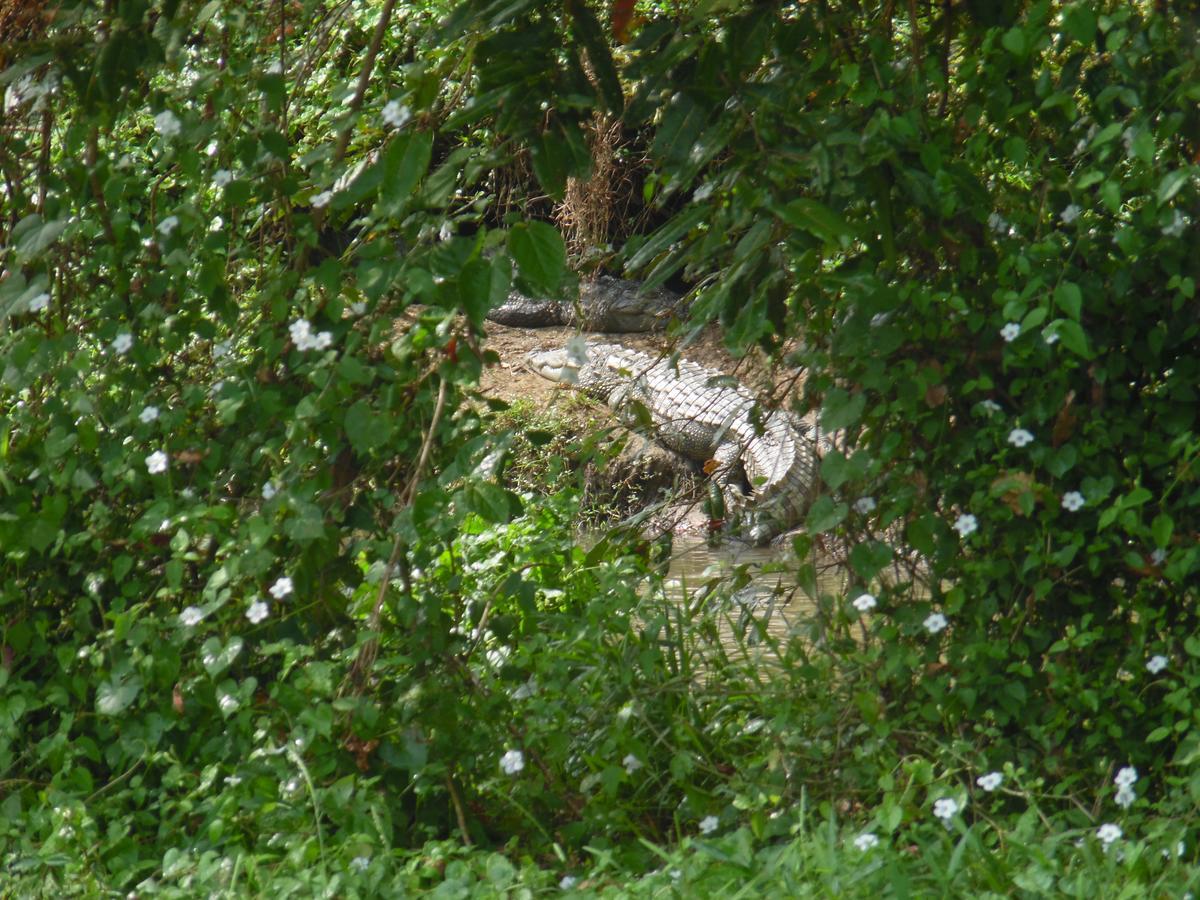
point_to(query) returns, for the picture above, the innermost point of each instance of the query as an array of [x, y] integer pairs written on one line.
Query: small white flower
[[193, 615], [269, 490], [1126, 776], [1125, 797], [322, 341], [709, 824], [1019, 437], [965, 524], [219, 349], [702, 193], [281, 588], [445, 232], [395, 114], [358, 308], [360, 863], [990, 781], [212, 149], [321, 200], [1070, 214], [122, 342], [1159, 556], [631, 763], [1050, 336], [148, 415], [991, 407], [568, 882], [1156, 664], [228, 703], [167, 124], [625, 712], [275, 68], [167, 225], [935, 622], [864, 505], [1010, 332], [1072, 501], [156, 462], [864, 603], [997, 223], [866, 841], [216, 224], [945, 808], [222, 177], [40, 302], [512, 762], [301, 332], [1108, 833], [257, 612]]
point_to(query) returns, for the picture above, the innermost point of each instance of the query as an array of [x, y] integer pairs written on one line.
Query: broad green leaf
[[216, 657], [1073, 338], [587, 31], [405, 162], [1069, 299], [114, 696], [490, 502], [869, 557], [1080, 23], [815, 218], [31, 236], [540, 254], [841, 409], [366, 427], [1162, 528], [825, 514], [1171, 184]]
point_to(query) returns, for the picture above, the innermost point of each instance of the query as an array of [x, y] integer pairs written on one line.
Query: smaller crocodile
[[607, 305], [706, 416]]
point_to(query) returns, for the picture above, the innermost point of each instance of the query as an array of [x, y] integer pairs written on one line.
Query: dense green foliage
[[274, 622]]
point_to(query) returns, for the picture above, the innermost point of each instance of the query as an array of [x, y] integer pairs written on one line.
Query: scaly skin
[[606, 304], [706, 415]]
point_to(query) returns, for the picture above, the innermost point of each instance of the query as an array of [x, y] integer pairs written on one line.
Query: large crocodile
[[705, 416], [607, 305]]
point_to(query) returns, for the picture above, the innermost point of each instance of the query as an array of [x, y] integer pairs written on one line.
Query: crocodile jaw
[[554, 365]]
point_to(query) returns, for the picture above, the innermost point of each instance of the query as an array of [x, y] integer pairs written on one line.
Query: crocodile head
[[581, 365]]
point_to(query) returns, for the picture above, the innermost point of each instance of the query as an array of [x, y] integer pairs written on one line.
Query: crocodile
[[607, 305], [710, 418]]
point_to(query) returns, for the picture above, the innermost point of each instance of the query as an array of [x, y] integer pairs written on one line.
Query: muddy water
[[768, 600]]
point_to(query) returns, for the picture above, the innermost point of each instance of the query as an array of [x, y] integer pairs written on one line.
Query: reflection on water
[[767, 598]]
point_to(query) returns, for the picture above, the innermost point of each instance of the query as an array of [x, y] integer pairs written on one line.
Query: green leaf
[[1171, 184], [217, 657], [1162, 528], [869, 557], [490, 502], [405, 161], [114, 696], [825, 514], [1158, 734], [541, 256], [31, 236], [682, 125], [366, 427], [841, 409], [1080, 23], [1073, 338], [815, 218], [1014, 41], [834, 469], [588, 32], [1069, 299], [1110, 195]]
